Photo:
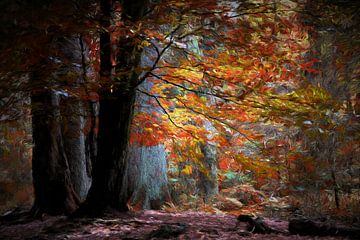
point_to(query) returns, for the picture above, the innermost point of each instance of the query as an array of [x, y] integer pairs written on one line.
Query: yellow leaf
[[187, 170], [145, 43], [148, 129]]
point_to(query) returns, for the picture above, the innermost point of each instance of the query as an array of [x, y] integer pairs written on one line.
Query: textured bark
[[100, 193], [54, 193], [91, 111], [92, 121], [73, 122], [114, 118], [73, 113], [116, 113], [145, 181], [208, 185], [62, 115]]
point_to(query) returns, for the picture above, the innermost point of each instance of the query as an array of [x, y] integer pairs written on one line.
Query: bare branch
[[159, 55]]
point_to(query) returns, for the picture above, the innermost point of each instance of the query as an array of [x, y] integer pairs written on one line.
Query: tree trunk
[[145, 181], [117, 100], [74, 112], [208, 185], [58, 130], [73, 123], [116, 111], [54, 193]]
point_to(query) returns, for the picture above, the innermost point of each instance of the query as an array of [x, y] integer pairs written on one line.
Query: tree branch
[[200, 113], [222, 97], [220, 121], [166, 113], [159, 55]]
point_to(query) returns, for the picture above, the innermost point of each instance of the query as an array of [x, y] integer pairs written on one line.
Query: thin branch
[[83, 63], [220, 121], [222, 97], [159, 55], [166, 112], [200, 113]]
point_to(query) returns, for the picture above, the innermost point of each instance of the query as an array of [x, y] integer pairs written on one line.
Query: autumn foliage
[[248, 78]]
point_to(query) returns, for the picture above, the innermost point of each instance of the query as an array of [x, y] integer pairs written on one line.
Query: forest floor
[[142, 225]]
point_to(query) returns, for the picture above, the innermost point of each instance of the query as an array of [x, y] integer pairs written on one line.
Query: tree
[[224, 81], [117, 100], [145, 180], [59, 114], [178, 80], [52, 76]]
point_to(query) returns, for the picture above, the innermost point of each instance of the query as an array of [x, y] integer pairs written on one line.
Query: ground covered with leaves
[[142, 225]]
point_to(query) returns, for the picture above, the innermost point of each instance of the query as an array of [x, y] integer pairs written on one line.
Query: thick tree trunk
[[73, 123], [116, 111], [145, 182], [54, 193], [58, 130], [74, 112], [117, 100]]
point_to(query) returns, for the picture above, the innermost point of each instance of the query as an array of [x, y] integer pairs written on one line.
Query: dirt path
[[144, 225]]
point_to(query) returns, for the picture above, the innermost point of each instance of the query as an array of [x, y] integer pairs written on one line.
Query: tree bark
[[208, 185], [74, 112], [145, 182], [117, 100], [73, 123], [54, 192], [116, 111], [58, 130]]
